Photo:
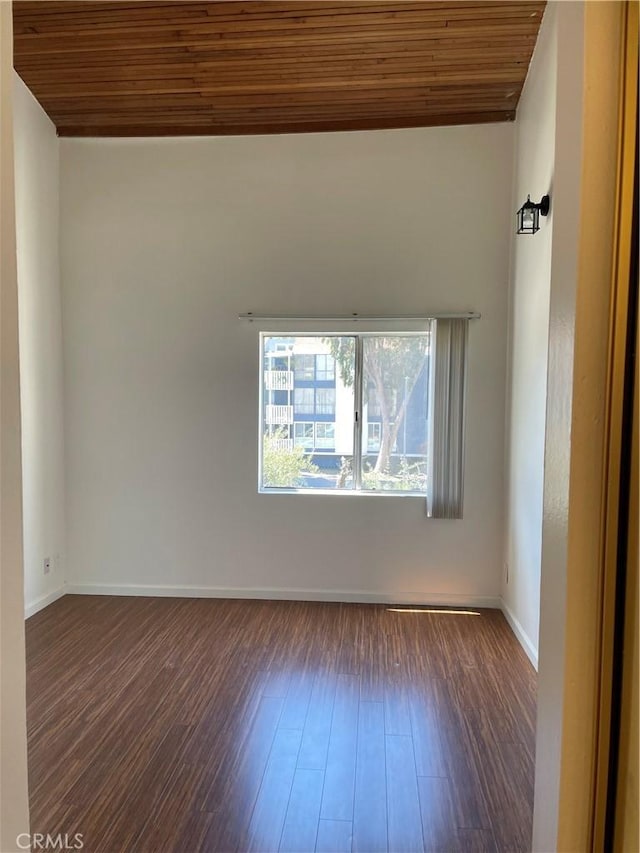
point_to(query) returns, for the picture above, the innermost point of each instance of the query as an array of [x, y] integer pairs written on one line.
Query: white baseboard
[[280, 594], [522, 636], [43, 601]]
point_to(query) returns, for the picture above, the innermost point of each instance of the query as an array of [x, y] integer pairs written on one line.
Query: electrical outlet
[[47, 565]]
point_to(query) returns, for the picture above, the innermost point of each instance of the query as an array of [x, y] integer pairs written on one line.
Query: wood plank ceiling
[[156, 68]]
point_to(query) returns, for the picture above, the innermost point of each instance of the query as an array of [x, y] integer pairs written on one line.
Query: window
[[307, 427], [386, 377], [304, 368], [303, 401], [392, 421], [373, 406], [325, 436], [325, 401], [395, 379], [303, 434], [325, 368], [374, 431]]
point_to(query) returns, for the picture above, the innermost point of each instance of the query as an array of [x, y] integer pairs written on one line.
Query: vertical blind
[[447, 447]]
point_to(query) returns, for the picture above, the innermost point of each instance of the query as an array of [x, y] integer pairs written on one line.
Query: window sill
[[348, 492]]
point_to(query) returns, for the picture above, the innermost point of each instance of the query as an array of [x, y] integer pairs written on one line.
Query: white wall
[[569, 24], [163, 243], [37, 217], [14, 807], [580, 412], [528, 337]]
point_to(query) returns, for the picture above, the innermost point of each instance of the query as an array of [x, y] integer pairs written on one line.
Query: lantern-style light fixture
[[529, 215]]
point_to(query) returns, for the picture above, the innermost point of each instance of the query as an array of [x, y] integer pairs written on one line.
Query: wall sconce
[[529, 215]]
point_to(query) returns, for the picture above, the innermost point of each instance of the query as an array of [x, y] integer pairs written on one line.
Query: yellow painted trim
[[592, 464], [625, 182], [626, 837]]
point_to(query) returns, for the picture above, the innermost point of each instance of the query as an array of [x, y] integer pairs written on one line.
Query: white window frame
[[359, 336]]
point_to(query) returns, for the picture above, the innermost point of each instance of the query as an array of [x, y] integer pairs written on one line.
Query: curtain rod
[[328, 318]]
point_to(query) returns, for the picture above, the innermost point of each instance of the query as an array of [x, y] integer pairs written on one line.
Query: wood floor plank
[[231, 797], [296, 704], [175, 796], [372, 671], [504, 775], [426, 727], [470, 798], [505, 703], [478, 841], [397, 718], [270, 809], [317, 727], [334, 836], [277, 683], [212, 726], [370, 807], [303, 812], [339, 781], [403, 804], [437, 812]]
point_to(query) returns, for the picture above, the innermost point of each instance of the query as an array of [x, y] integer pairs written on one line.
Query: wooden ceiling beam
[[206, 87], [455, 17], [318, 126], [264, 59], [156, 123], [228, 50], [318, 101], [342, 71], [54, 45], [216, 113], [113, 15]]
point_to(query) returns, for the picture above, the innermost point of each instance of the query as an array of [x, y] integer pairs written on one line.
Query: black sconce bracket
[[545, 205]]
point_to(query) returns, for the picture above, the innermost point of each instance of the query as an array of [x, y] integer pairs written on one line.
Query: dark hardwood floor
[[206, 725]]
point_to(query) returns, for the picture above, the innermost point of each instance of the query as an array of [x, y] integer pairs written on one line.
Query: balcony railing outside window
[[278, 414], [278, 380]]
